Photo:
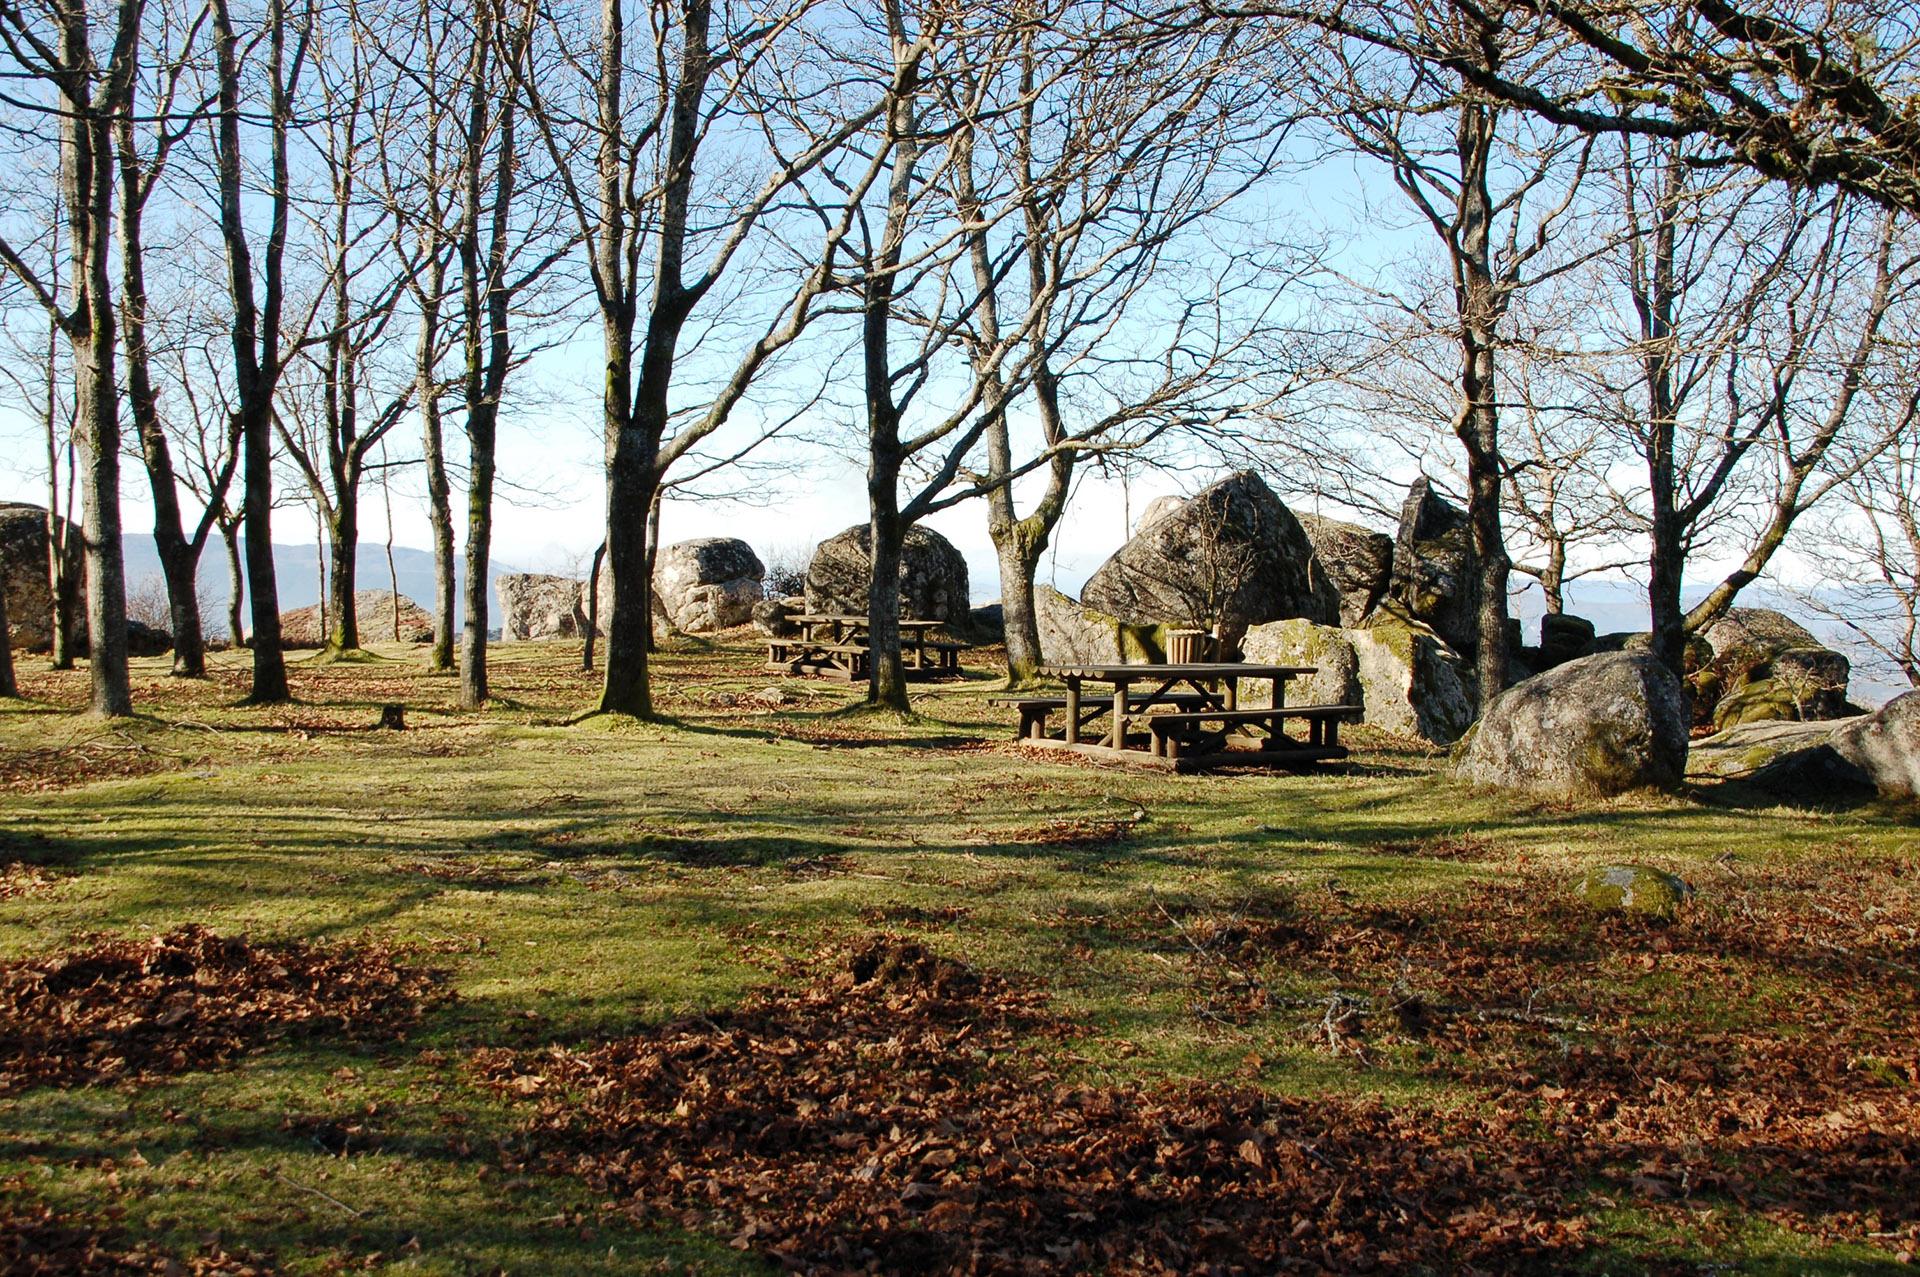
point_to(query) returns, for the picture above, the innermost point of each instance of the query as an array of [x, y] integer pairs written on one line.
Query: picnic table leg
[[1120, 716], [1073, 709], [1230, 692]]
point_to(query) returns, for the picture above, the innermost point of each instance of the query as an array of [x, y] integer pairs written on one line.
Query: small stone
[[1634, 889]]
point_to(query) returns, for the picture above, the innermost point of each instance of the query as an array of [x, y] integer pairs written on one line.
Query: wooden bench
[[1172, 734], [1035, 710]]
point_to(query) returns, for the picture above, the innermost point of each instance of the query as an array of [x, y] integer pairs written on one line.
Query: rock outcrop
[[1821, 761], [534, 607], [707, 584], [933, 576], [373, 611], [1595, 727], [24, 575], [1766, 666], [1359, 562], [1411, 682], [1232, 555], [1436, 574], [1300, 642], [1073, 634]]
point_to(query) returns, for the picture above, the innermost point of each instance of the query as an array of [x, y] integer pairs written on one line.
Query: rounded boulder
[[1592, 728], [933, 576]]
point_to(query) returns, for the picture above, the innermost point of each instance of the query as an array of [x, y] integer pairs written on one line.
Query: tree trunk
[[343, 544], [630, 488], [440, 518], [473, 627], [592, 626], [887, 675], [255, 327], [1478, 422], [236, 583], [8, 688], [179, 557], [59, 551]]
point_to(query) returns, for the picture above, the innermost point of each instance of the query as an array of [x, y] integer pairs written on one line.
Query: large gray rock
[[1820, 761], [1885, 745], [1359, 562], [1074, 634], [1329, 650], [1411, 682], [534, 606], [933, 576], [1766, 666], [1233, 555], [1595, 727], [373, 611], [1436, 574], [707, 584], [24, 575]]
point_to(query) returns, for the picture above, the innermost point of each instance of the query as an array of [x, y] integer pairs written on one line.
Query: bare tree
[[1138, 146], [52, 45], [259, 355], [1736, 326], [352, 408], [703, 70], [1868, 560], [1493, 190]]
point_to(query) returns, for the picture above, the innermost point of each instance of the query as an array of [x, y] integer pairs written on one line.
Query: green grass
[[581, 880]]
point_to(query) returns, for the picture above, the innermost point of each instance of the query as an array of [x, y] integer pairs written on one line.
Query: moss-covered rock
[[1411, 682], [1768, 666], [1301, 642], [1633, 889], [1072, 633], [1595, 727]]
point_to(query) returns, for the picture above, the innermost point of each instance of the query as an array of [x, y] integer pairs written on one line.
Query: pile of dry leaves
[[897, 1117], [130, 1009]]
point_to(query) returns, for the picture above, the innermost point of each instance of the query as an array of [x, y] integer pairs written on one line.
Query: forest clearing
[[785, 981]]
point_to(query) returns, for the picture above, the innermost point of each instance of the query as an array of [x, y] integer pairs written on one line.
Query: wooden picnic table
[[1187, 713], [838, 645]]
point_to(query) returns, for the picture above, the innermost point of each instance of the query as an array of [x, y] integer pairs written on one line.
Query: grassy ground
[[578, 881]]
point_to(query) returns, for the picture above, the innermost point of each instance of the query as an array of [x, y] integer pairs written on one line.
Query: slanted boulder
[[1821, 761], [1359, 562], [1411, 682], [1885, 745], [707, 584], [373, 612], [933, 576], [1074, 634], [24, 576], [1436, 574], [1767, 666], [1595, 727], [535, 606], [1301, 642], [1232, 555]]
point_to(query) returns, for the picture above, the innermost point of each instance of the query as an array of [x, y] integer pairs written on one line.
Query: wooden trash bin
[[1189, 647]]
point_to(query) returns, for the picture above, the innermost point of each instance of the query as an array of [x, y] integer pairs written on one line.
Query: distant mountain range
[[296, 575]]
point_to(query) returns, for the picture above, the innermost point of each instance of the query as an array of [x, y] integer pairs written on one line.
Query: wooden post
[[1073, 709], [1120, 714]]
